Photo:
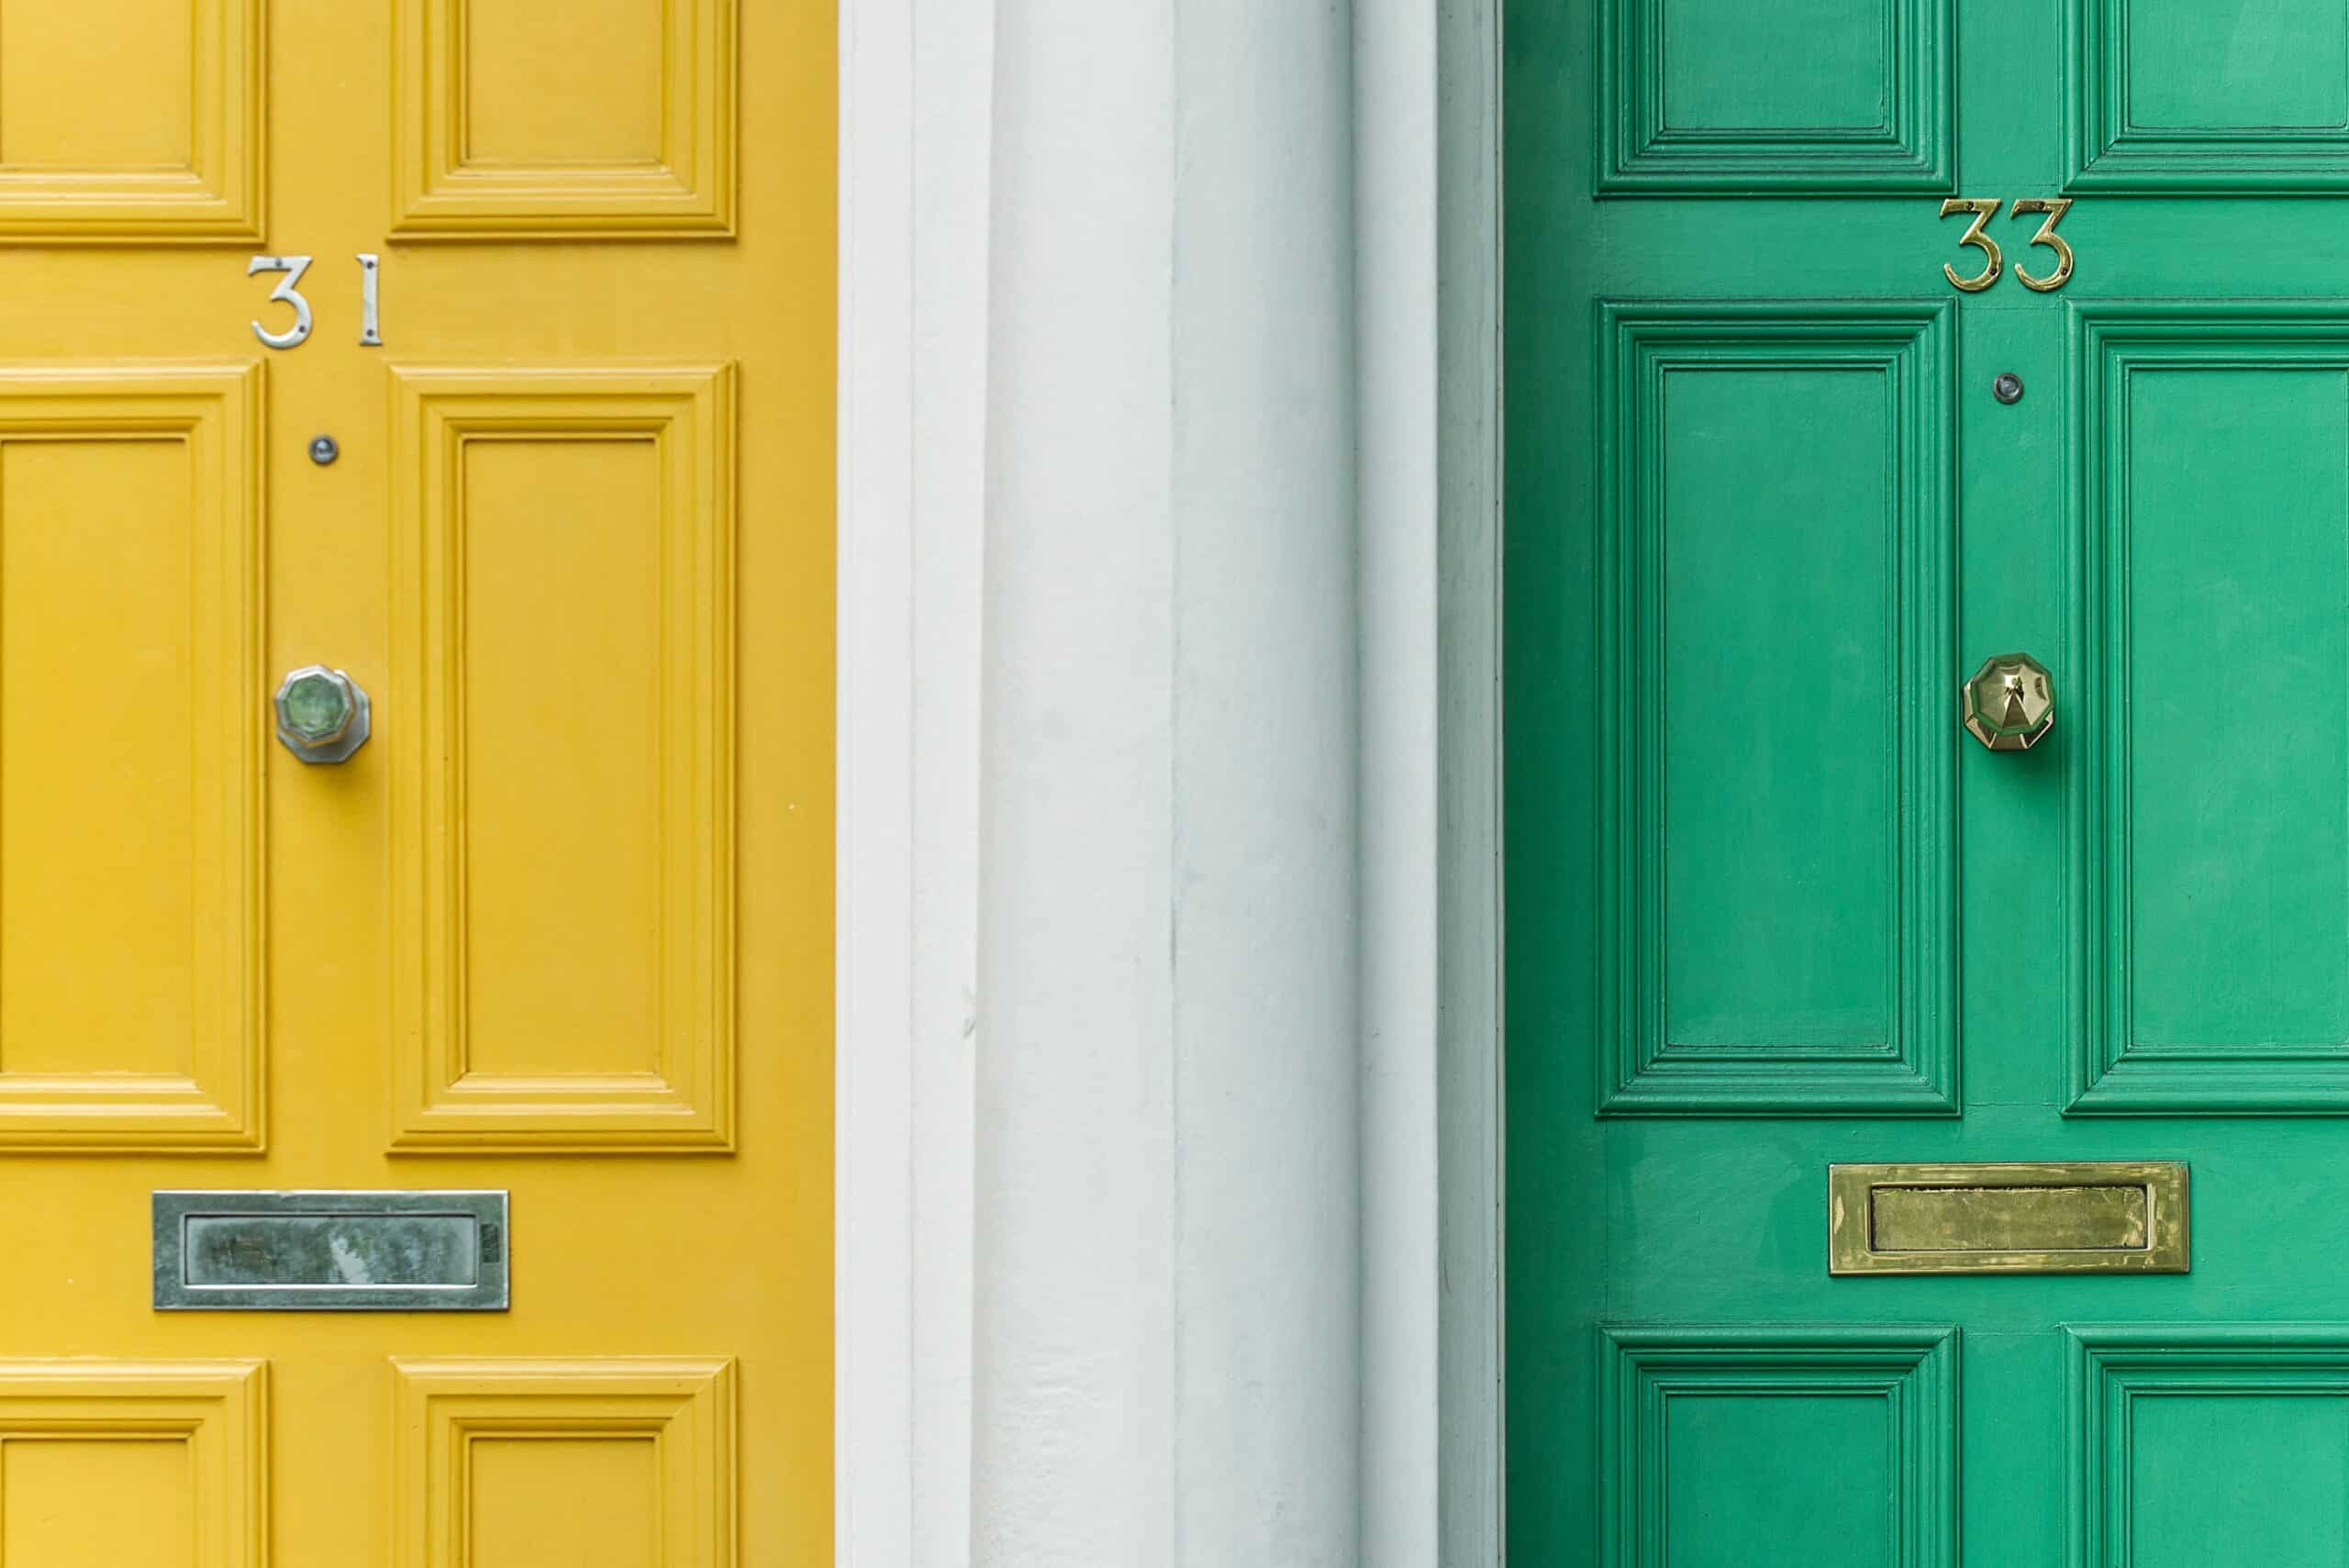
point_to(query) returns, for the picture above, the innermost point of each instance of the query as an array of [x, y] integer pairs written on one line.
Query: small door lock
[[321, 714]]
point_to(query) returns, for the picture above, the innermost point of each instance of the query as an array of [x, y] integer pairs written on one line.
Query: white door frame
[[916, 136]]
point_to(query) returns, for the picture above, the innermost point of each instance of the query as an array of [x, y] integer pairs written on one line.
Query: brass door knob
[[2009, 703]]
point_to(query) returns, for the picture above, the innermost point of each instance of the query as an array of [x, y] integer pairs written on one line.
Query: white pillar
[[1166, 1336], [1396, 344]]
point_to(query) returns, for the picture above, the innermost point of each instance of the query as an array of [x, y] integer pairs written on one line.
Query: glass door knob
[[321, 714]]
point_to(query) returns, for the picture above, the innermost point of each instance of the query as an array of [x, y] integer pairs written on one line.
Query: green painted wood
[[1692, 104], [2196, 1444], [2210, 95], [1788, 1418], [2144, 919], [2213, 849], [1759, 685]]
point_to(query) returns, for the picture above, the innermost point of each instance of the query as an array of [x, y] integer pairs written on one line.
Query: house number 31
[[1984, 209], [288, 292]]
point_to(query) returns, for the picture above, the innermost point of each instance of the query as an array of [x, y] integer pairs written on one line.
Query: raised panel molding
[[1910, 1371], [211, 189], [105, 1099], [672, 1418], [680, 186], [1902, 143], [443, 1095], [1915, 1071], [2116, 143], [94, 1413], [2111, 1070], [2121, 1373]]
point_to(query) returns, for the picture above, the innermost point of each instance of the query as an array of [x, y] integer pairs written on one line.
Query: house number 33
[[288, 292], [1984, 209]]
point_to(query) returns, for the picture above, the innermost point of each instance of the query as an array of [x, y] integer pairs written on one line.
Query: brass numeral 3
[[1984, 209], [2055, 207]]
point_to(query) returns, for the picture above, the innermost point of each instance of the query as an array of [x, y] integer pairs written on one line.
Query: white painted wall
[[1168, 941]]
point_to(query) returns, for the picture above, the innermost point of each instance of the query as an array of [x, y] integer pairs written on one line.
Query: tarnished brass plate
[[2030, 1218]]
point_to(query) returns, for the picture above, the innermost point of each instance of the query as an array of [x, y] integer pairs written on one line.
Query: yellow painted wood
[[146, 127], [135, 1463], [640, 140], [563, 977], [612, 1461], [578, 549], [132, 898]]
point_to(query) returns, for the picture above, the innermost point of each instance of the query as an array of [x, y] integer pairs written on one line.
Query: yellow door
[[560, 927]]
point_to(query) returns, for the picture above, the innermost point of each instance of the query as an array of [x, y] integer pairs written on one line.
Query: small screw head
[[323, 450], [2007, 387]]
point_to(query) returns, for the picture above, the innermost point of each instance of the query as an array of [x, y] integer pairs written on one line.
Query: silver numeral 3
[[283, 294]]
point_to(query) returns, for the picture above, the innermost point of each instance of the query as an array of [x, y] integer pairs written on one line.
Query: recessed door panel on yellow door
[[131, 631], [144, 125], [559, 927], [563, 797], [601, 116]]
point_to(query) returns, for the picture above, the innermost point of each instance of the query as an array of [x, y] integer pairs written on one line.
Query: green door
[[1772, 909]]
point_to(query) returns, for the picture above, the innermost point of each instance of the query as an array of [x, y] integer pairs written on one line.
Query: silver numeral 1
[[370, 334], [283, 294]]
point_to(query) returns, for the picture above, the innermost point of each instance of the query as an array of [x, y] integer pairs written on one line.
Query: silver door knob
[[2010, 703], [321, 714]]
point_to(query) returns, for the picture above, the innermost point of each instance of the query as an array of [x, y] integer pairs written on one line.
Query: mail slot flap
[[312, 1251], [2069, 1218]]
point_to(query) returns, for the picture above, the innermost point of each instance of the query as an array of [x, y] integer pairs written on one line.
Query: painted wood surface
[[1768, 910], [563, 926]]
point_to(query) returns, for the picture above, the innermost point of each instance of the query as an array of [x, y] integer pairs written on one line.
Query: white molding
[[1427, 189], [1471, 1130], [1396, 333], [951, 112], [913, 90], [872, 966]]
